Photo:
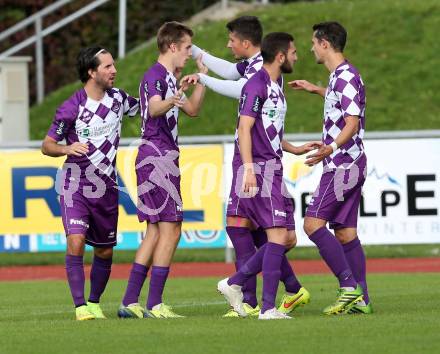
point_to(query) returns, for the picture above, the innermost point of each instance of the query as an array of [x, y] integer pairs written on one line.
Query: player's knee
[[104, 253], [291, 240], [75, 245], [344, 237], [153, 236], [309, 227]]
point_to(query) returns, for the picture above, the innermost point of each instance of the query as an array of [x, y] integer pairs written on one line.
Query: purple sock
[[271, 274], [99, 275], [288, 277], [158, 278], [355, 256], [76, 278], [138, 274], [333, 254], [243, 243], [251, 268]]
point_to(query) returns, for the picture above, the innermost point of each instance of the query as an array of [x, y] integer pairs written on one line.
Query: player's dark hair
[[171, 32], [274, 43], [247, 27], [333, 32], [88, 59]]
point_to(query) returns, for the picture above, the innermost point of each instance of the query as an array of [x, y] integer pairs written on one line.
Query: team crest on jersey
[[256, 105], [86, 115], [116, 106], [159, 86]]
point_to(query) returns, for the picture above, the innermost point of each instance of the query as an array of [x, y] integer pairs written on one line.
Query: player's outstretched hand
[[200, 66], [310, 146], [302, 85], [318, 156], [77, 149], [188, 80]]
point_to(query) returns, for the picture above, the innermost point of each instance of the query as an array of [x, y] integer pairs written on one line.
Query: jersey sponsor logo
[[116, 106], [78, 222], [256, 105], [85, 133], [60, 129], [272, 114], [279, 213], [103, 130], [159, 86]]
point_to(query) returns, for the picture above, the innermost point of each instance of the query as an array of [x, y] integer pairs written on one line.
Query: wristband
[[334, 146]]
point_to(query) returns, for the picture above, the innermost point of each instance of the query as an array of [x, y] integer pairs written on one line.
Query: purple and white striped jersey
[[160, 131], [248, 67], [95, 123], [263, 100], [345, 96]]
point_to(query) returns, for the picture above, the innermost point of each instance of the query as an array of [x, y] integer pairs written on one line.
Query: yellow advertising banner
[[29, 202]]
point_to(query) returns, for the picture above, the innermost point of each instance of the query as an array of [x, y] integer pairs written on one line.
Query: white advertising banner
[[401, 196]]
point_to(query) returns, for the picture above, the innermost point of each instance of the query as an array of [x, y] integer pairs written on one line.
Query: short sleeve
[[347, 88], [62, 122], [251, 100], [154, 85], [131, 104]]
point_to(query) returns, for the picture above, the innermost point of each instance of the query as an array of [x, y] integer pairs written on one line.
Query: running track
[[121, 271]]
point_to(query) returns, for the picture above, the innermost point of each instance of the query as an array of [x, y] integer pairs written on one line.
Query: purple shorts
[[159, 196], [96, 218], [290, 210], [338, 196], [271, 207]]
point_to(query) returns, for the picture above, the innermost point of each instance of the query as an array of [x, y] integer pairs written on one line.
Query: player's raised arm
[[302, 149], [157, 106], [221, 67], [228, 88], [307, 86], [192, 105]]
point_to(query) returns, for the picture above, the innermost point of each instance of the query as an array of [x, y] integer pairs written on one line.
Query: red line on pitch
[[121, 271]]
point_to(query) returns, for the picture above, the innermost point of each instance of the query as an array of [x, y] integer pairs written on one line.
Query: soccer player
[[90, 121], [157, 169], [337, 198], [245, 35], [257, 193]]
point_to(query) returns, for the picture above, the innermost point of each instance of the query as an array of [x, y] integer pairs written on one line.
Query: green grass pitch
[[37, 317]]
